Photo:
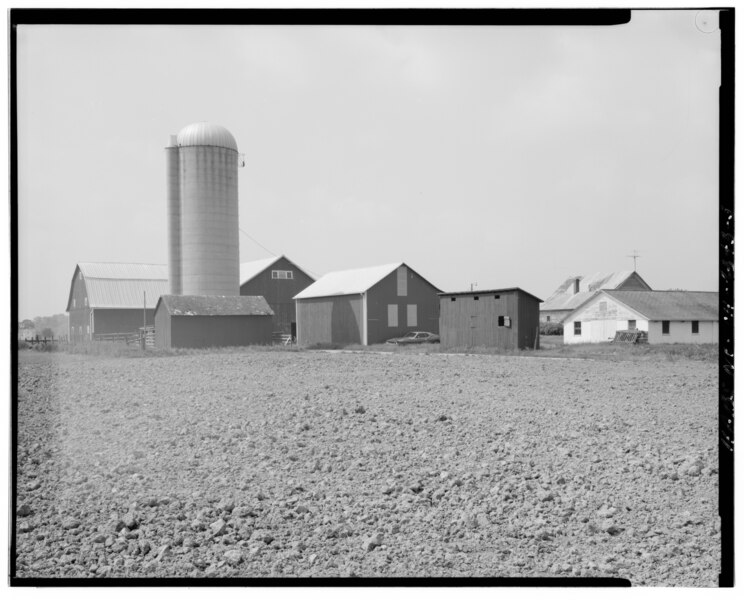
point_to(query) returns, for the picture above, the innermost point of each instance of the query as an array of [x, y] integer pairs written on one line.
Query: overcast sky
[[491, 155]]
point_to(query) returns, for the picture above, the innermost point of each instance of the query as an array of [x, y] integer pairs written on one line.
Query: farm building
[[507, 318], [668, 317], [278, 280], [212, 321], [366, 306], [575, 290], [108, 298]]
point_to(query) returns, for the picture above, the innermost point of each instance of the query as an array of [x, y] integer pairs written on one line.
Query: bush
[[551, 329], [23, 345]]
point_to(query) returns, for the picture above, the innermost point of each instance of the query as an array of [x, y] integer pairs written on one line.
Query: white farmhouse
[[668, 317]]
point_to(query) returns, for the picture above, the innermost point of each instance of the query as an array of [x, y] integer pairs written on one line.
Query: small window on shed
[[501, 321], [695, 326], [476, 298], [74, 304], [453, 299], [392, 315], [497, 296], [577, 327], [665, 327], [85, 301]]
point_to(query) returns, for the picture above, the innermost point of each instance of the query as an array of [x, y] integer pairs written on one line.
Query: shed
[[668, 316], [108, 298], [575, 290], [366, 306], [507, 318], [278, 280], [212, 321]]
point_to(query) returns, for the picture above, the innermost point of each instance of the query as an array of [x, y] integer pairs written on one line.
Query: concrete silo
[[202, 184]]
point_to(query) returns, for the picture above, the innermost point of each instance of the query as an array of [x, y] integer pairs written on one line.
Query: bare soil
[[311, 464]]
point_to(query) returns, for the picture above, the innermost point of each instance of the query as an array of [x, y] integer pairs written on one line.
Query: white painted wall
[[599, 323], [680, 332]]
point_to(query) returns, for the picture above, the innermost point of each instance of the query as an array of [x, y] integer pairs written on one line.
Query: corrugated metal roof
[[485, 292], [352, 281], [123, 270], [214, 306], [122, 285], [564, 298], [248, 270], [206, 134], [670, 306]]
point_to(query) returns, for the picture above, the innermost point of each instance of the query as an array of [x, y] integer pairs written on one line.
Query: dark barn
[[110, 298], [212, 321], [366, 306], [278, 280], [506, 318]]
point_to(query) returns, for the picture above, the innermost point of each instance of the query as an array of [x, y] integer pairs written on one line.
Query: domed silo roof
[[206, 134]]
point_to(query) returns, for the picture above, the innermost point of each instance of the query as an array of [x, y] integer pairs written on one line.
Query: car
[[416, 337]]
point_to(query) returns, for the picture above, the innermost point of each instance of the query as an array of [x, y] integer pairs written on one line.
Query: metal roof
[[670, 306], [564, 297], [485, 292], [206, 134], [216, 306], [352, 281], [121, 285]]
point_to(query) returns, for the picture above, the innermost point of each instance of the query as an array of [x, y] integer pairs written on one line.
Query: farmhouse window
[[548, 319], [603, 307], [665, 327], [411, 317], [392, 315], [402, 281], [501, 321], [695, 327], [282, 275], [631, 324], [577, 327]]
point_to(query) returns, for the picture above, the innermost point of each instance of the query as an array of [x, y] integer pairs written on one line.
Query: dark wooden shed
[[507, 318], [278, 280], [366, 306], [212, 321]]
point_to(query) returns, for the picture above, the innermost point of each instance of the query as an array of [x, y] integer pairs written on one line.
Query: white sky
[[503, 156]]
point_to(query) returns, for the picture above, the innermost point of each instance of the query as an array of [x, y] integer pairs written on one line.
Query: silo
[[202, 174]]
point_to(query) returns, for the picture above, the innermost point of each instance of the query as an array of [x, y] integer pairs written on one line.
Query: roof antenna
[[634, 256]]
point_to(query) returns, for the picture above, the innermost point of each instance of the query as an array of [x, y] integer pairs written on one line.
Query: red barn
[[113, 298], [278, 280]]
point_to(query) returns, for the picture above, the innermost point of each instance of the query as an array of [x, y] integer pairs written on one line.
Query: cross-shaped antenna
[[472, 285], [634, 256]]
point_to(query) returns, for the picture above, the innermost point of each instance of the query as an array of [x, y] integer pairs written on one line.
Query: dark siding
[[634, 283], [528, 322], [419, 292], [469, 323], [79, 313], [119, 320], [279, 292], [335, 319], [218, 331]]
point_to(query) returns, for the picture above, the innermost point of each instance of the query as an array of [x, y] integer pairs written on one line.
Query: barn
[[212, 321], [507, 318], [108, 298], [668, 317], [278, 280], [366, 306], [575, 290]]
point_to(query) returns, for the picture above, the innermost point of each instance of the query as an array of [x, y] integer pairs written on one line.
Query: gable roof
[[485, 292], [564, 297], [213, 306], [351, 281], [249, 270], [670, 306], [121, 285]]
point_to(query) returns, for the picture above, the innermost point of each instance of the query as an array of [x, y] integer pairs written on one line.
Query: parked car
[[416, 337]]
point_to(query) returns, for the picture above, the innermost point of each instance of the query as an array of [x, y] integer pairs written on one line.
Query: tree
[[47, 333]]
